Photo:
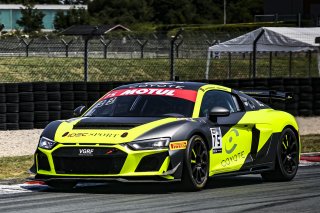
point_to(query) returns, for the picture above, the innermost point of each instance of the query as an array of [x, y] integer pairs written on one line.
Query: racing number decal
[[216, 140]]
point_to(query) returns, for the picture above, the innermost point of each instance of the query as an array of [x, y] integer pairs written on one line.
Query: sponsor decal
[[85, 134], [216, 140], [85, 152], [157, 85], [234, 158], [171, 92], [234, 145], [229, 147], [178, 145]]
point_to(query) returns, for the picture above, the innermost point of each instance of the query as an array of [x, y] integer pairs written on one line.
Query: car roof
[[165, 84]]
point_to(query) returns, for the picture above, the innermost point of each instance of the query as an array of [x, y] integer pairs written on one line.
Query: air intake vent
[[104, 126]]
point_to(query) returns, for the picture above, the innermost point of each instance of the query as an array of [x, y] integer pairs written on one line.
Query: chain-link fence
[[146, 57]]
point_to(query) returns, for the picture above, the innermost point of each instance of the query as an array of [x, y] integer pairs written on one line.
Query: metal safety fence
[[131, 56]]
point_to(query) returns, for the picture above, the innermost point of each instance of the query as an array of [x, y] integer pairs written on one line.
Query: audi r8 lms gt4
[[170, 131]]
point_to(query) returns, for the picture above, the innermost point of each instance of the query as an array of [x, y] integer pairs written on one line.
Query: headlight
[[46, 143], [158, 143]]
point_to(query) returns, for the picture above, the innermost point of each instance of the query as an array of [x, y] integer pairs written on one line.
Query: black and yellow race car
[[170, 131]]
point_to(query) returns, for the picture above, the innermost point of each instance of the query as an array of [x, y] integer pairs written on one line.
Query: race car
[[170, 131]]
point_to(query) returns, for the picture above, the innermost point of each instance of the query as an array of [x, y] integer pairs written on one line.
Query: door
[[230, 140]]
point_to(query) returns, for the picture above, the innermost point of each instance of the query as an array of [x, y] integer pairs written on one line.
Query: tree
[[244, 10], [31, 19], [120, 11], [71, 17]]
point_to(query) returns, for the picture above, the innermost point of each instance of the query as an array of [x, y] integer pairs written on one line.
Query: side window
[[218, 98]]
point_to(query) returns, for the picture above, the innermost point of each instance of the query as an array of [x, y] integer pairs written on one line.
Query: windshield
[[142, 106]]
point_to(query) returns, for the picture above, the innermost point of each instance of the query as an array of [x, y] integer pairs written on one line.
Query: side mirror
[[216, 112], [79, 111]]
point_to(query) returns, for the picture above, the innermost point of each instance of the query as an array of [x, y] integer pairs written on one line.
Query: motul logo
[[178, 93]]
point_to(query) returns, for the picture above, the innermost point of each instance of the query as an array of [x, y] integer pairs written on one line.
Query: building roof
[[43, 6], [89, 30]]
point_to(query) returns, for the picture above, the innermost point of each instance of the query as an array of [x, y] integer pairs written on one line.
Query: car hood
[[112, 130]]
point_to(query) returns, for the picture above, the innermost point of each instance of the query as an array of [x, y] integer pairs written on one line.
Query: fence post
[[254, 58], [27, 45], [142, 45], [177, 48], [250, 64], [229, 65], [290, 64], [173, 39], [67, 46], [86, 44], [270, 64], [309, 61], [105, 47]]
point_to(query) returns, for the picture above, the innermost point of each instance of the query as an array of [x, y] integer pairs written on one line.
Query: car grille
[[70, 160]]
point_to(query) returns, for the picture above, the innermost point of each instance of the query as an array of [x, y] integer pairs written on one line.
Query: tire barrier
[[34, 105]]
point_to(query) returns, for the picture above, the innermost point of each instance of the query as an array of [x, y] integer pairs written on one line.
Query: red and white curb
[[310, 159]]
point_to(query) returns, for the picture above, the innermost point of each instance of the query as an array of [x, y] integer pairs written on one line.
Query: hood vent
[[104, 126]]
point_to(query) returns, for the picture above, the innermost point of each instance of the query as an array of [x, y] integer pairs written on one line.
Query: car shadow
[[156, 188]]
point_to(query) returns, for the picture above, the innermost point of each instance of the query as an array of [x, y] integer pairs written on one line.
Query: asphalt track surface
[[233, 194]]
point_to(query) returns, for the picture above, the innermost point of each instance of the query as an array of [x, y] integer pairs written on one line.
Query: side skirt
[[257, 169]]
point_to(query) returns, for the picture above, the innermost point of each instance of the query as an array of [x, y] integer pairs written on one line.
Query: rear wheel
[[196, 164], [287, 160]]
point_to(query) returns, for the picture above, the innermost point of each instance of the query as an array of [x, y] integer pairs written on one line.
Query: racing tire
[[287, 158], [2, 98], [79, 86], [54, 96], [25, 87], [26, 97], [12, 97], [26, 125], [67, 96], [66, 86], [11, 88], [39, 86], [3, 108], [93, 86], [41, 106], [62, 185], [196, 165], [40, 96], [12, 107], [12, 126], [2, 88], [53, 87]]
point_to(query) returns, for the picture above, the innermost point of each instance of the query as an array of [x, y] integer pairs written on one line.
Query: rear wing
[[269, 94]]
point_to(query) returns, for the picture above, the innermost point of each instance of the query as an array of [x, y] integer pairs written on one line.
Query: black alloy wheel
[[196, 164], [287, 160], [289, 153]]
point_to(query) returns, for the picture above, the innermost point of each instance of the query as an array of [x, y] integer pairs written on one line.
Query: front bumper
[[103, 162]]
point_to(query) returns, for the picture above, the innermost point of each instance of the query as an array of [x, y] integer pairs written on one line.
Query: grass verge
[[17, 167]]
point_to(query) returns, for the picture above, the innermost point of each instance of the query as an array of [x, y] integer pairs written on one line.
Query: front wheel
[[287, 160], [196, 164]]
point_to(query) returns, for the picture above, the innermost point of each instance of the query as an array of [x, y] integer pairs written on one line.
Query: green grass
[[310, 143], [29, 69], [17, 167]]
